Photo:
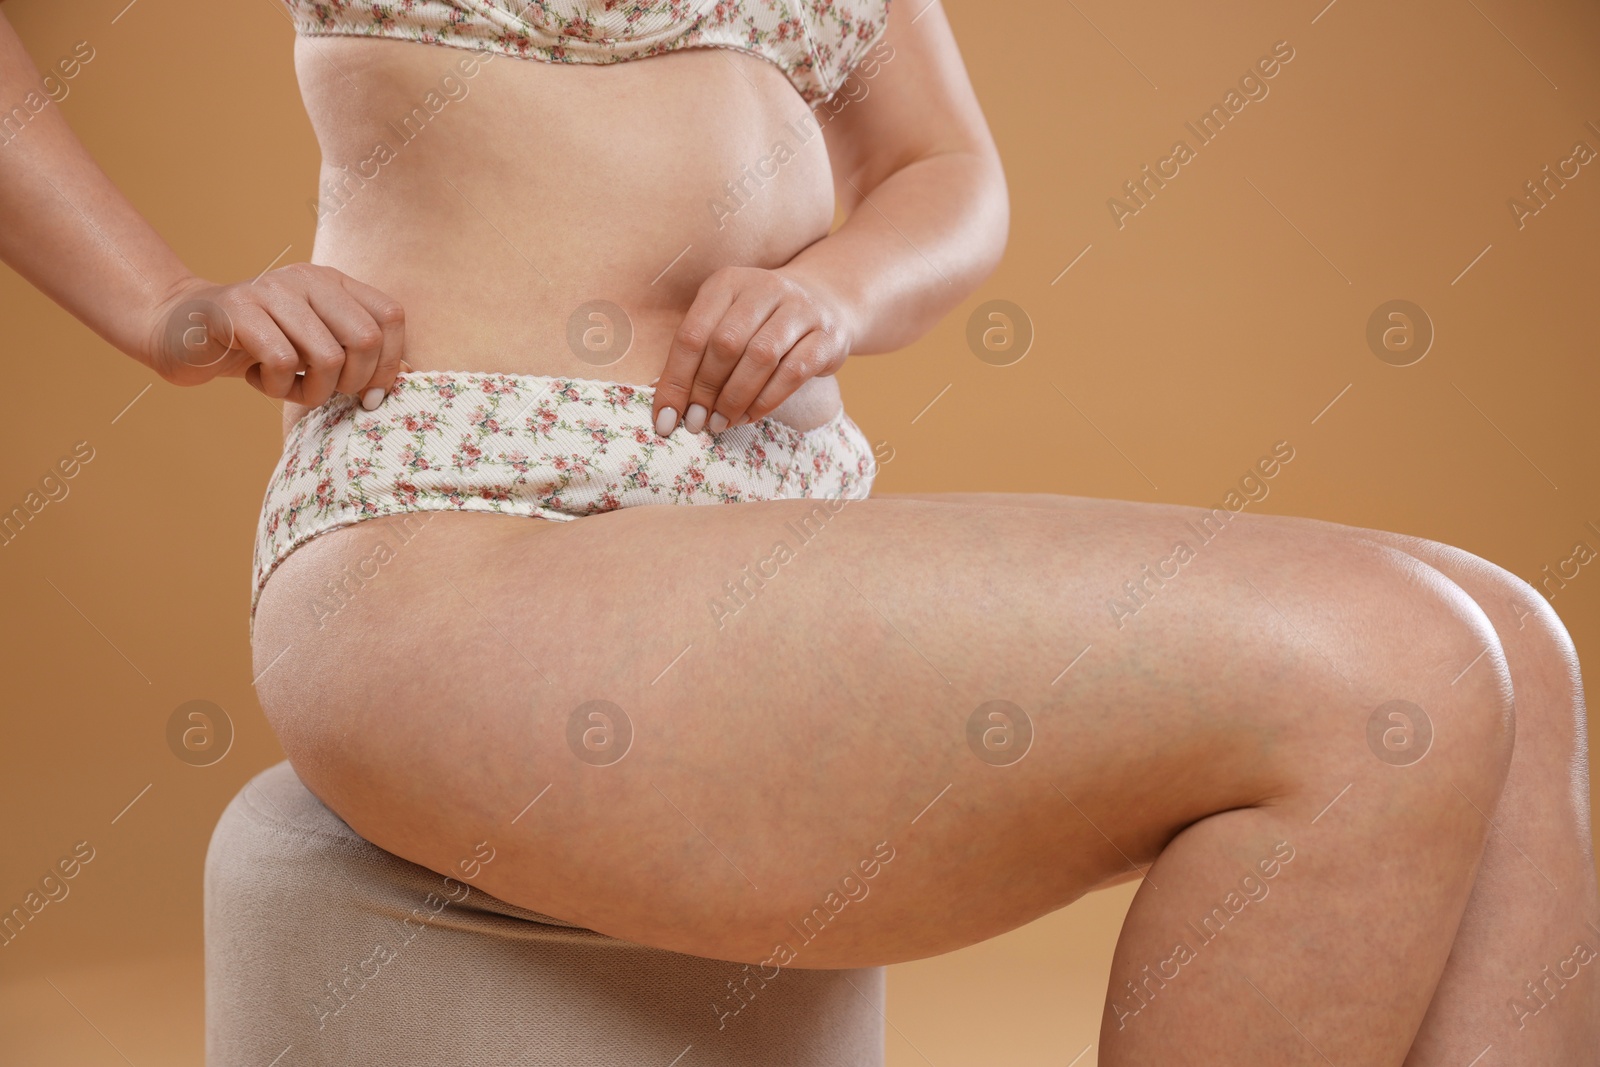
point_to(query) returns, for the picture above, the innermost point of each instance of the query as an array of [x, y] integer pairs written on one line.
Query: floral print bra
[[816, 43]]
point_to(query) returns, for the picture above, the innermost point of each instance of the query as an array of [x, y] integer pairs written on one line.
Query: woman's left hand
[[749, 340]]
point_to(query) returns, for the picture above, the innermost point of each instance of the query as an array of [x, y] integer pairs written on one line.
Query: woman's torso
[[496, 205]]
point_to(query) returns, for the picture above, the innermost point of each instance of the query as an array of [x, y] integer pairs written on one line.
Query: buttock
[[320, 941], [552, 448]]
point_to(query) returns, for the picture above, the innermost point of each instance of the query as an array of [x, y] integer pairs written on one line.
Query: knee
[[1516, 607], [1397, 627], [1543, 658]]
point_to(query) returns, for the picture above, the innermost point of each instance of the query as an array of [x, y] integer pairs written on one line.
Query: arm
[[67, 229], [917, 172], [299, 332]]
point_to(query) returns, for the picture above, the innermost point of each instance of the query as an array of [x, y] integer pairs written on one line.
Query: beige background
[[1225, 316]]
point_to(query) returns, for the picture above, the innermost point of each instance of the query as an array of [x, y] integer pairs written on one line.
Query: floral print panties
[[548, 447]]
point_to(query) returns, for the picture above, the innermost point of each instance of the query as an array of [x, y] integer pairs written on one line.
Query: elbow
[[992, 220], [1000, 224]]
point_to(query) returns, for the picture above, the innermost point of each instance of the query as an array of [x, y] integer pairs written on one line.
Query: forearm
[[64, 226], [912, 248]]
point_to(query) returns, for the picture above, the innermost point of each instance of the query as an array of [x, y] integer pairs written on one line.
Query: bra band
[[816, 43]]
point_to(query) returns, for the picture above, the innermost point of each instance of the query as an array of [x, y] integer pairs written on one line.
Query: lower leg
[[1523, 979], [1368, 865]]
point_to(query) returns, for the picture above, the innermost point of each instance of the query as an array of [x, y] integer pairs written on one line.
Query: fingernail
[[743, 419], [694, 420], [665, 422], [372, 398], [718, 422]]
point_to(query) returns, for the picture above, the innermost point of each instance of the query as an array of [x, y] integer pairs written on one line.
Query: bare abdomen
[[501, 205]]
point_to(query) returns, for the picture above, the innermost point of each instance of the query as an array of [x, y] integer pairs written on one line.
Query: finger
[[683, 357], [391, 319], [352, 326], [321, 355], [274, 360], [810, 353], [252, 375], [726, 349], [777, 336]]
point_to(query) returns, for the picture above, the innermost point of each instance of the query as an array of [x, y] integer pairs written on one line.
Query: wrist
[[152, 343], [845, 308]]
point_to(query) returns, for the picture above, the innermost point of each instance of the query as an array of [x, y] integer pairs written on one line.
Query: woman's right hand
[[300, 333]]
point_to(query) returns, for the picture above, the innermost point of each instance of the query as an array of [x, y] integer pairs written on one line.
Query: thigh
[[712, 728]]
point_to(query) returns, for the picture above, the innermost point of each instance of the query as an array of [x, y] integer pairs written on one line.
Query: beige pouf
[[322, 948]]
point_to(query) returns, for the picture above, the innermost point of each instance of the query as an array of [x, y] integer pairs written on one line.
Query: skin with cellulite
[[774, 748]]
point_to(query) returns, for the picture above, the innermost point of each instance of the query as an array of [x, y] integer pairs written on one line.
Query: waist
[[816, 404], [554, 219]]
